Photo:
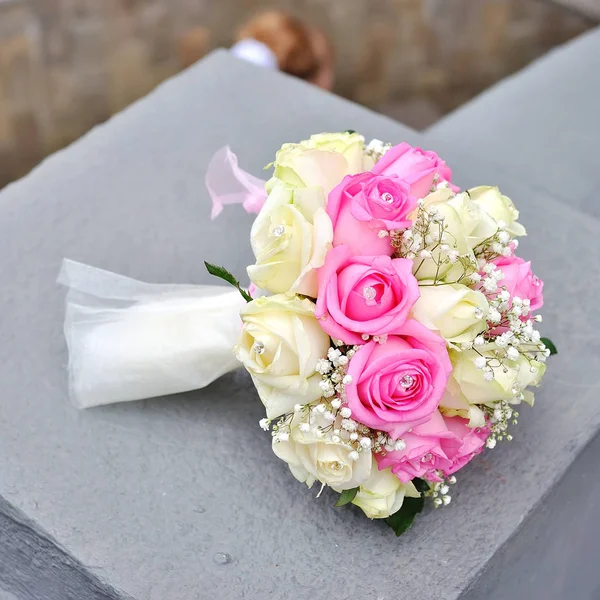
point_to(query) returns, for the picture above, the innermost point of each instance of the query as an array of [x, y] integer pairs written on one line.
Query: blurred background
[[67, 65]]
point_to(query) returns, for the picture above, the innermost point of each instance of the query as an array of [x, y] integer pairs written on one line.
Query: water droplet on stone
[[222, 558]]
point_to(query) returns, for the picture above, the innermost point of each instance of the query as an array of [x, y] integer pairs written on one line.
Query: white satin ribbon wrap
[[130, 340]]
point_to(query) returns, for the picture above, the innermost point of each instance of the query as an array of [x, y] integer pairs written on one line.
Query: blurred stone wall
[[66, 65]]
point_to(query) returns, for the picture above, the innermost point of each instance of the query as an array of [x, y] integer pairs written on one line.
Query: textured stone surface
[[542, 125], [66, 65], [145, 497], [34, 566], [554, 555]]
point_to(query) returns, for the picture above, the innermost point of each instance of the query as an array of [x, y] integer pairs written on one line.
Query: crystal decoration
[[258, 347], [369, 293], [278, 231], [407, 381], [387, 197]]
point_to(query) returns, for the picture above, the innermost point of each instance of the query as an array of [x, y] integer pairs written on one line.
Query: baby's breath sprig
[[330, 418], [495, 246], [499, 417], [437, 491], [376, 149], [429, 239]]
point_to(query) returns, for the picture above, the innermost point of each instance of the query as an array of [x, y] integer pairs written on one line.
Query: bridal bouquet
[[389, 330], [389, 326]]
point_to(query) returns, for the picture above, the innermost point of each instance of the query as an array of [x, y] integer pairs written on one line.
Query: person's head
[[301, 50]]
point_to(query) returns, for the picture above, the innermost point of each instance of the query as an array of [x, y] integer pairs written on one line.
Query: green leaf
[[421, 485], [346, 497], [350, 131], [225, 275], [402, 520], [550, 345]]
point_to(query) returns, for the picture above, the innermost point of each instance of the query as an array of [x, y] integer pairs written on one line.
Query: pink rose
[[442, 444], [415, 167], [362, 205], [364, 294], [520, 281], [398, 384]]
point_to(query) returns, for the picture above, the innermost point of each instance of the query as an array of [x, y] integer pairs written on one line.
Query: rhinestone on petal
[[387, 197], [479, 313], [369, 293], [258, 347], [407, 381], [278, 231]]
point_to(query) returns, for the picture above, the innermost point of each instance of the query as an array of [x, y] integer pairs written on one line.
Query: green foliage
[[402, 520], [550, 345], [421, 485], [225, 275], [347, 496]]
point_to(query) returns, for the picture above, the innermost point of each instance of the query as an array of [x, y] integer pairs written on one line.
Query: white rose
[[312, 458], [350, 145], [322, 161], [280, 344], [498, 206], [477, 224], [382, 494], [450, 311], [469, 218], [290, 238], [454, 238], [455, 404], [474, 387]]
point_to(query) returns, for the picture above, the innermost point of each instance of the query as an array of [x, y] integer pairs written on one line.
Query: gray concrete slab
[[554, 555], [541, 124], [179, 498]]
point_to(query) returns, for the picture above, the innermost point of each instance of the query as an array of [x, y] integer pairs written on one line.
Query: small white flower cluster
[[440, 490], [499, 417], [376, 149], [429, 238], [518, 338], [499, 244], [334, 371], [510, 344], [330, 418]]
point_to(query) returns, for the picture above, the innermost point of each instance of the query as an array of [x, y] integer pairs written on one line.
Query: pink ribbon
[[227, 183]]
